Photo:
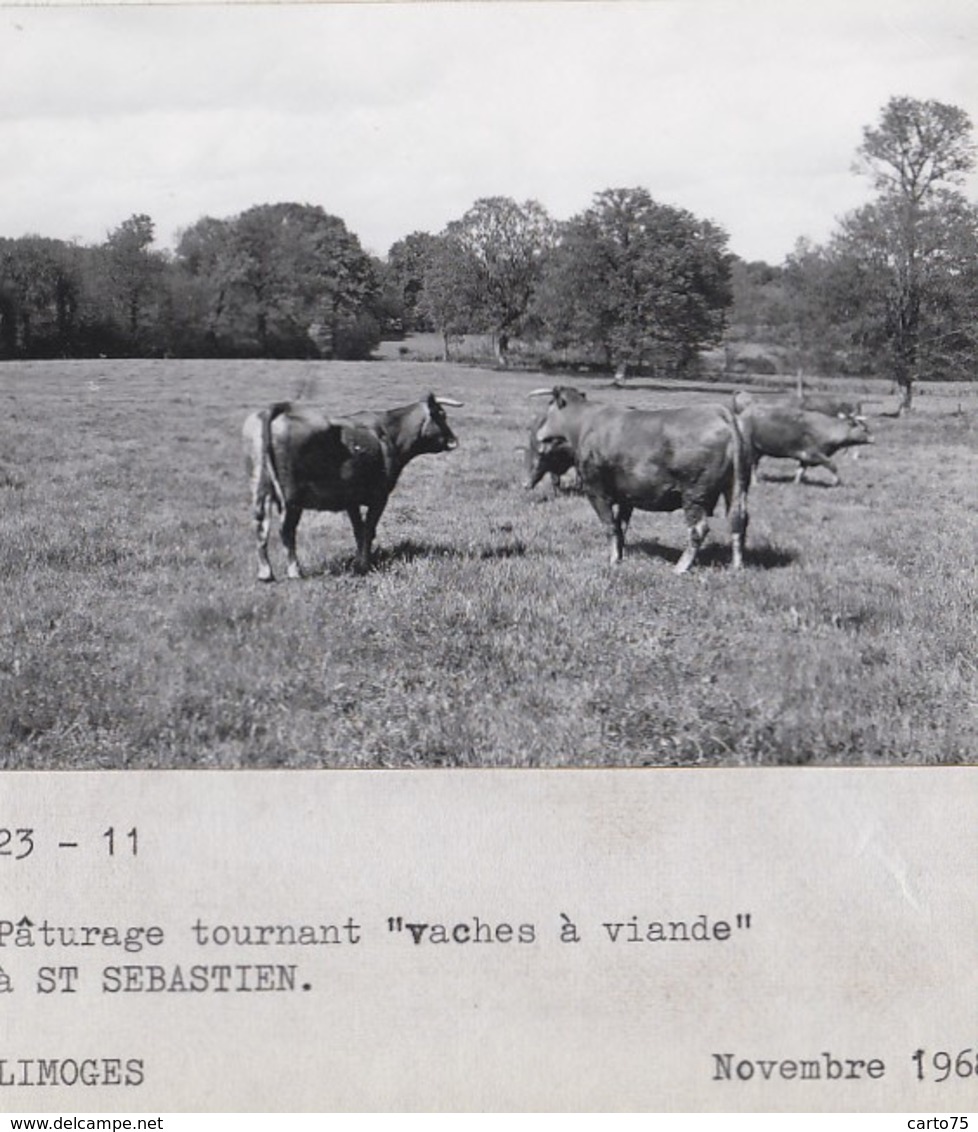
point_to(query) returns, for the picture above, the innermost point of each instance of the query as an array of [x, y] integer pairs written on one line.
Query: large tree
[[640, 282], [40, 289], [407, 262], [284, 278], [915, 153], [451, 295], [134, 272], [203, 263], [503, 243]]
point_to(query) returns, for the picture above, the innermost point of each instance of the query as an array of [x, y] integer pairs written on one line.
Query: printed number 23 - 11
[[120, 841]]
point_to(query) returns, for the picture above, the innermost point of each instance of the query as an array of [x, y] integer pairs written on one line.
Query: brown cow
[[303, 460], [654, 461], [785, 430]]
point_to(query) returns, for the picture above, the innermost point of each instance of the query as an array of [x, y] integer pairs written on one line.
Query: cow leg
[[290, 520], [827, 463], [816, 459], [261, 505], [263, 521], [622, 519], [738, 535], [356, 522], [698, 527], [369, 530], [611, 521]]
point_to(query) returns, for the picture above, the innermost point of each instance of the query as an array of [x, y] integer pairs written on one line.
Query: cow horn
[[548, 392], [448, 401]]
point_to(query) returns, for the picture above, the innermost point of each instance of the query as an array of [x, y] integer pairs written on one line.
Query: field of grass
[[492, 632]]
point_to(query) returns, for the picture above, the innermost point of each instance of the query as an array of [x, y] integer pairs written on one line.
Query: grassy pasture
[[492, 632]]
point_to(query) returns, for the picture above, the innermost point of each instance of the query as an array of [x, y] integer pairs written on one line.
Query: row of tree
[[629, 283], [278, 280]]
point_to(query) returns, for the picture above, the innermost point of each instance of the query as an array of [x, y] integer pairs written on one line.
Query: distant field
[[492, 632]]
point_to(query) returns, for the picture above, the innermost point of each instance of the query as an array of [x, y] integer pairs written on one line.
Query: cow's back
[[659, 460], [785, 429], [326, 464]]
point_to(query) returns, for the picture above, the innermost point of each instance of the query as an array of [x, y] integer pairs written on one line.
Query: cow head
[[856, 430], [552, 435], [556, 460], [436, 436]]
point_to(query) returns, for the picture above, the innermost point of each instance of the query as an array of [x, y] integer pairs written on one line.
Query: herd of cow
[[653, 460]]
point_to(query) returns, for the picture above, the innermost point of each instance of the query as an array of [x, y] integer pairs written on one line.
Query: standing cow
[[782, 428], [301, 459], [665, 460]]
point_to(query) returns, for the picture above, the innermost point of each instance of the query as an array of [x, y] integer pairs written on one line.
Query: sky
[[397, 117]]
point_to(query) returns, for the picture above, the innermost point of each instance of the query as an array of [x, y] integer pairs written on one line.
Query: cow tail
[[268, 452], [741, 475]]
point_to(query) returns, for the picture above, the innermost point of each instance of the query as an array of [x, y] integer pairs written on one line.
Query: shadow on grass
[[409, 550], [763, 557], [789, 477]]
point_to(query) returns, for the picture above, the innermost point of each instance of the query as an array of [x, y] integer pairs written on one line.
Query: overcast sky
[[397, 117]]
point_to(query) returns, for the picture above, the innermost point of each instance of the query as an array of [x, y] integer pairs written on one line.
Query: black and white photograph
[[532, 448], [618, 359]]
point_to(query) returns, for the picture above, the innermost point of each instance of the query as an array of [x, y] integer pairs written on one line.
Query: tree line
[[279, 280], [630, 284]]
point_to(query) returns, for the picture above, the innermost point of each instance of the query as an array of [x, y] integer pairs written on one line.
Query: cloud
[[398, 116]]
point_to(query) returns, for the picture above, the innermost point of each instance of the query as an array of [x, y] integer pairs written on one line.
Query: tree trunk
[[904, 380], [621, 372], [26, 335], [908, 325], [502, 347], [444, 338], [906, 360]]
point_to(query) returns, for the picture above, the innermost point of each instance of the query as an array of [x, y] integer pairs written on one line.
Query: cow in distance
[[784, 429], [812, 402], [300, 459]]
